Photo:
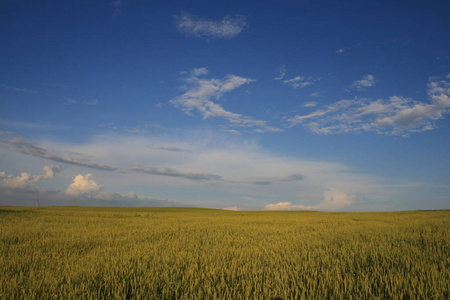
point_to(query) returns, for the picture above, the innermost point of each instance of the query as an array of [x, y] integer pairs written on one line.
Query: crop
[[184, 253]]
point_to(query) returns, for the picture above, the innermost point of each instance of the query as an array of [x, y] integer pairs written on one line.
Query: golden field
[[188, 253]]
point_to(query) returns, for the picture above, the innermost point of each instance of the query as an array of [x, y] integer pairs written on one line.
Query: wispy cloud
[[143, 127], [367, 81], [310, 104], [232, 131], [92, 102], [201, 92], [117, 5], [228, 27], [22, 90], [296, 81], [17, 143], [172, 149], [282, 72], [27, 125], [70, 101], [394, 116], [175, 173], [267, 181]]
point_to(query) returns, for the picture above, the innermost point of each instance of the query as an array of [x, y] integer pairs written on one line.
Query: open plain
[[188, 253]]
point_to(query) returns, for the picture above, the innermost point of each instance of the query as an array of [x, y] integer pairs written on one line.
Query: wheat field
[[188, 253]]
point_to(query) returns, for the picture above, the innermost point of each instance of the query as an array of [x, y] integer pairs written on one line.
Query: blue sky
[[322, 105]]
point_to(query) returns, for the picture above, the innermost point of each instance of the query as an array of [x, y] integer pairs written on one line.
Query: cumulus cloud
[[229, 27], [367, 81], [220, 170], [175, 173], [19, 190], [26, 180], [83, 185], [200, 95], [393, 116], [333, 200], [15, 142]]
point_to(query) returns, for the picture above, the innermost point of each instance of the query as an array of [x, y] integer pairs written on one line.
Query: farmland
[[187, 253]]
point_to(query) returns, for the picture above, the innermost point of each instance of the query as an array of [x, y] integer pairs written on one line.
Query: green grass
[[182, 253]]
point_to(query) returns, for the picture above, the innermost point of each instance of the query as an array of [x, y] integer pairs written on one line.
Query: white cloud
[[367, 81], [25, 180], [295, 82], [26, 125], [283, 206], [300, 81], [201, 92], [233, 208], [282, 70], [310, 104], [342, 50], [197, 72], [92, 102], [333, 200], [232, 131], [70, 101], [23, 90], [394, 116], [204, 168], [117, 5], [83, 185], [228, 27]]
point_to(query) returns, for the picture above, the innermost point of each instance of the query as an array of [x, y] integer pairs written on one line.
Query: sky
[[239, 105]]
